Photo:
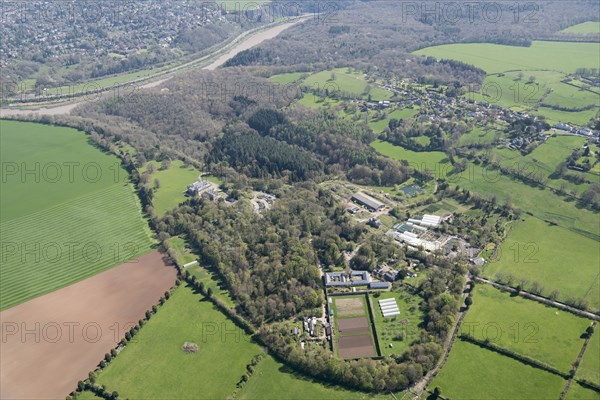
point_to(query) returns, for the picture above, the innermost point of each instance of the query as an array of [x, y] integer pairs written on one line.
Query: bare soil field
[[356, 346], [351, 306], [51, 342], [352, 326]]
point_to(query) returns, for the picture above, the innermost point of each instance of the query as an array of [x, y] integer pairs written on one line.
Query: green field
[[285, 79], [407, 323], [589, 369], [153, 366], [75, 217], [345, 81], [531, 252], [584, 28], [578, 392], [478, 136], [379, 126], [273, 380], [525, 327], [542, 203], [494, 58], [173, 183], [474, 373], [434, 161]]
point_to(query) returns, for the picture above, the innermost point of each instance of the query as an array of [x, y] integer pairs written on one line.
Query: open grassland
[[273, 380], [494, 58], [399, 331], [584, 28], [153, 366], [531, 252], [525, 327], [578, 392], [542, 203], [589, 369], [172, 185], [347, 82], [475, 373], [571, 117], [434, 161], [78, 216]]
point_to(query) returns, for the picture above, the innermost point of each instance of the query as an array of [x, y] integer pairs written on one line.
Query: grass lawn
[[434, 161], [285, 79], [526, 327], [173, 182], [273, 380], [155, 367], [475, 373], [578, 392], [77, 216], [584, 28], [406, 323], [589, 369], [531, 252]]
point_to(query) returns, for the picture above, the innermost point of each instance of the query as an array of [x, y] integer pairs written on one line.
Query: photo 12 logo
[[469, 12]]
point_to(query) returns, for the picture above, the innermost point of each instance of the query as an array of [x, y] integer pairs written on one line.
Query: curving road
[[243, 42]]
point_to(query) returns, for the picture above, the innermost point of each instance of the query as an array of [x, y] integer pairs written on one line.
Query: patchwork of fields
[[526, 78], [475, 373], [525, 327], [353, 334], [530, 252], [68, 211]]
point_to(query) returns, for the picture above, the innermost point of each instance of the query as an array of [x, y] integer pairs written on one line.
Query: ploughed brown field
[[51, 342], [356, 346], [352, 326], [351, 306]]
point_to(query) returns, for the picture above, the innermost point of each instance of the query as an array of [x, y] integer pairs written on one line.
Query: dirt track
[[51, 342]]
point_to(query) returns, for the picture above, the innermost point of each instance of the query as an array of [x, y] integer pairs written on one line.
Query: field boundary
[[541, 299]]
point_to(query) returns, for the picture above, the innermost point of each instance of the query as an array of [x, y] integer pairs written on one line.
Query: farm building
[[356, 278], [432, 221], [379, 285], [367, 201]]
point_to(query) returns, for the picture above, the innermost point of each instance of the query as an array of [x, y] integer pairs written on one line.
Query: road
[[243, 42]]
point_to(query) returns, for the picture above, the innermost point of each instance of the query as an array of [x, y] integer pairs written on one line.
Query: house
[[367, 201], [374, 222], [197, 188], [391, 275]]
